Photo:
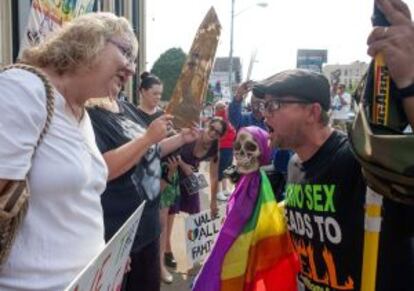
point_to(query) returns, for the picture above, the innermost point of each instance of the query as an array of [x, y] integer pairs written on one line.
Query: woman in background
[[170, 192], [205, 148], [150, 92], [226, 149]]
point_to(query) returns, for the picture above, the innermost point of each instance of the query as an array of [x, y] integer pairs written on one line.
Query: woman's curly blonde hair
[[80, 41]]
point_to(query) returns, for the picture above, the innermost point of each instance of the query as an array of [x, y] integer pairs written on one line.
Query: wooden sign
[[187, 98]]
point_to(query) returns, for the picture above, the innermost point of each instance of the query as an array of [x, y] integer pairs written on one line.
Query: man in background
[[341, 108]]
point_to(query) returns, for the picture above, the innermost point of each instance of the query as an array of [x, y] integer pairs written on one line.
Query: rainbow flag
[[261, 256]]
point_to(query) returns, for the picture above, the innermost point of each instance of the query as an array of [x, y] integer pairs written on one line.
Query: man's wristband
[[407, 92]]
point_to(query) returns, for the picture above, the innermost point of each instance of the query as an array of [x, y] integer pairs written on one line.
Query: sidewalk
[[182, 276]]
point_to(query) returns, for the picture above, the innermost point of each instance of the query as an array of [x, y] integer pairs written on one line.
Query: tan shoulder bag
[[14, 197]]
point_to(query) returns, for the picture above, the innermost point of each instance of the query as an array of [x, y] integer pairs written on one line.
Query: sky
[[276, 31]]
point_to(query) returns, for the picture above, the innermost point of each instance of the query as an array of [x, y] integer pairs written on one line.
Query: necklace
[[77, 114]]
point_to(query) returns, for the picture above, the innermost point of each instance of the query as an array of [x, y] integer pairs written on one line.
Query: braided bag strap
[[50, 99], [16, 196]]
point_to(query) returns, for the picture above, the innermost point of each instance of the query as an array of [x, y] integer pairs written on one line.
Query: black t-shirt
[[124, 194], [325, 199], [148, 118]]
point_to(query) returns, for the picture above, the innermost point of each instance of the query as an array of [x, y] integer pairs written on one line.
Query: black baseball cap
[[302, 84]]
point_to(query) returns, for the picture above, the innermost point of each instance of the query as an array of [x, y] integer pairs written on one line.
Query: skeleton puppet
[[251, 151], [247, 152]]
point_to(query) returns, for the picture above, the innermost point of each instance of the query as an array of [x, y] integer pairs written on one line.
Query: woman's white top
[[63, 229]]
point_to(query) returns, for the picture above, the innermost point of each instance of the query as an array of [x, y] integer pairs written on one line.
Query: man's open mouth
[[268, 127]]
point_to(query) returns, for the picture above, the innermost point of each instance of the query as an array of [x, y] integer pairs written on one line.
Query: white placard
[[201, 231], [106, 271]]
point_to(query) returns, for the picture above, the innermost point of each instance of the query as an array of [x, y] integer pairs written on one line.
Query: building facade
[[349, 74], [311, 59], [220, 75]]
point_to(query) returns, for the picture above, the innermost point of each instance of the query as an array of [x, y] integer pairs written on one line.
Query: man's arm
[[396, 45], [236, 117], [235, 113]]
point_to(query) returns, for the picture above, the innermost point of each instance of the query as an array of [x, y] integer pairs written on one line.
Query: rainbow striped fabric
[[260, 257]]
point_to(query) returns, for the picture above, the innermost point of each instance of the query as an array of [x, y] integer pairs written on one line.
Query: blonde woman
[[63, 230]]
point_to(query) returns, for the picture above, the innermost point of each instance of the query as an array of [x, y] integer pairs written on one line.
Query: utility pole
[[231, 49]]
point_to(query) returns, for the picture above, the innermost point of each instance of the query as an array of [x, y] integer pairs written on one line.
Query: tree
[[168, 69], [209, 98]]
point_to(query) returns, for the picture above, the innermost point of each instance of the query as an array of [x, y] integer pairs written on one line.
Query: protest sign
[[187, 98], [106, 271], [201, 230], [47, 16]]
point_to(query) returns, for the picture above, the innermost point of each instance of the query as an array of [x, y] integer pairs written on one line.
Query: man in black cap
[[328, 242], [325, 191], [294, 89]]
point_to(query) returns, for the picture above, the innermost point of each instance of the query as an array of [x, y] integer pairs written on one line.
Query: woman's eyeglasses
[[216, 132], [125, 50]]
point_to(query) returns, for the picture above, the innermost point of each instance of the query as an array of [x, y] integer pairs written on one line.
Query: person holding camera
[[205, 148]]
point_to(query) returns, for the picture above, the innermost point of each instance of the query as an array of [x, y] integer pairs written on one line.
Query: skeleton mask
[[246, 152]]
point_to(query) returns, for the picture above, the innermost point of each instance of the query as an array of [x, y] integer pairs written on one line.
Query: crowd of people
[[103, 156]]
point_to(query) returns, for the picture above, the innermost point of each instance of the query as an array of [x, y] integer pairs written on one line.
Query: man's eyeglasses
[[275, 104], [125, 50]]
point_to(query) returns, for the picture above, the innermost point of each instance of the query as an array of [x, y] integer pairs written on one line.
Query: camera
[[232, 174]]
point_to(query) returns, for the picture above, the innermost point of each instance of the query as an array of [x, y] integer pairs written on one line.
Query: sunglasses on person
[[125, 50], [275, 104], [217, 133]]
